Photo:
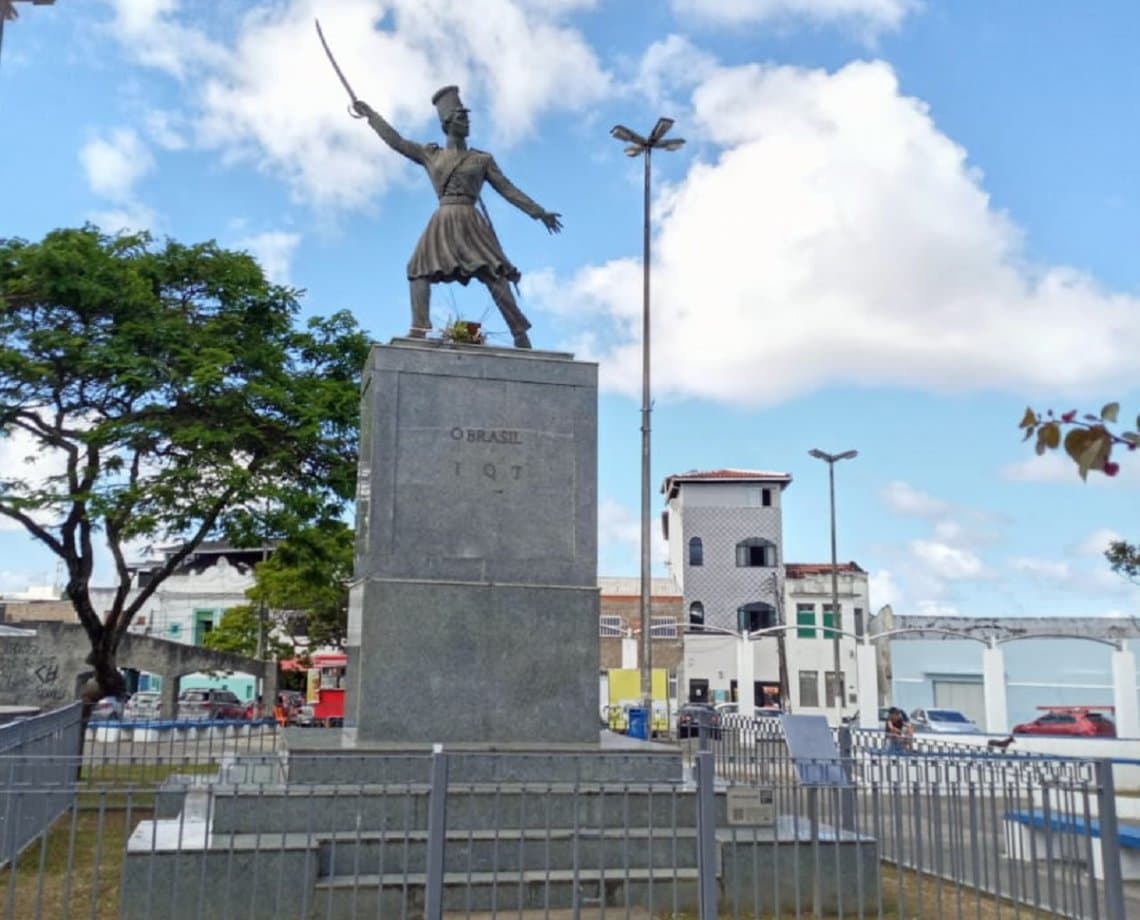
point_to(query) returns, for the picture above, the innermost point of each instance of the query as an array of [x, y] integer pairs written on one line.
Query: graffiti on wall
[[31, 676]]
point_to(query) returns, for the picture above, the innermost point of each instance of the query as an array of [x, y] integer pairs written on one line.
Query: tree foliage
[[1088, 439], [1124, 559], [302, 589], [167, 395]]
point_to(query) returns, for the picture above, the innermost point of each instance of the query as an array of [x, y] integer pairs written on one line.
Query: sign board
[[813, 751], [754, 806]]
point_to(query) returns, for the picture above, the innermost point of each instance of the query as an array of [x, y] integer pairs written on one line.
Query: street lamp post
[[836, 622], [636, 145]]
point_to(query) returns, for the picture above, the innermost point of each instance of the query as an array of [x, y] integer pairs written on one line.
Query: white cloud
[[903, 498], [1042, 568], [668, 66], [269, 97], [133, 217], [1096, 543], [840, 238], [619, 532], [113, 165], [23, 459], [883, 589], [1056, 467], [950, 563], [937, 609], [869, 16], [150, 29], [273, 251]]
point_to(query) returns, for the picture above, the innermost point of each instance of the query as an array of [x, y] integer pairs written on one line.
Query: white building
[[191, 602], [724, 530]]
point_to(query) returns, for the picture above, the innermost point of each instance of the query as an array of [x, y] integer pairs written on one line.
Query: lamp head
[[625, 135]]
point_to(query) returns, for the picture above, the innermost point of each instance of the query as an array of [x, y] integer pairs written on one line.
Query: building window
[[696, 551], [698, 690], [609, 626], [758, 615], [696, 616], [766, 498], [663, 627], [829, 625], [755, 553], [809, 688], [805, 620], [830, 689], [858, 622]]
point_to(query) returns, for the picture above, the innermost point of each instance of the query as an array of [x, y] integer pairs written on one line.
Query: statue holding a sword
[[459, 242]]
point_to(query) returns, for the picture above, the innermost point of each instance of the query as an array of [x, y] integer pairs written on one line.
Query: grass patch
[[74, 870], [141, 773]]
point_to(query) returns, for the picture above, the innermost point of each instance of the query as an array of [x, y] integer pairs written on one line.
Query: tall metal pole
[[643, 146], [835, 620], [646, 594]]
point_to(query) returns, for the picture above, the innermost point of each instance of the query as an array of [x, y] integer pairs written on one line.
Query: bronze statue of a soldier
[[459, 242]]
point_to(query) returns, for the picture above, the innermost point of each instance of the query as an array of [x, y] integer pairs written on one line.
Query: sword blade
[[332, 60]]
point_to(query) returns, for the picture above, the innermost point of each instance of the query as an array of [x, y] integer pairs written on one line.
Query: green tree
[[303, 589], [1124, 559], [174, 398]]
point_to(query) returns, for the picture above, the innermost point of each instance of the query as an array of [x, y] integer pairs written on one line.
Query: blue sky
[[894, 225]]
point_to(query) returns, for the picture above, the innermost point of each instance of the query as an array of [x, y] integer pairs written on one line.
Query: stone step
[[510, 851], [327, 809], [661, 891], [653, 764]]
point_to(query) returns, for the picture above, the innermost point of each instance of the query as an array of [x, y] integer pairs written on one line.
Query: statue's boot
[[500, 290], [421, 308]]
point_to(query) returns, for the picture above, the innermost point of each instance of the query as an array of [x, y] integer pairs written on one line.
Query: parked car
[[758, 712], [1074, 721], [108, 709], [202, 703], [143, 706], [692, 715], [943, 722]]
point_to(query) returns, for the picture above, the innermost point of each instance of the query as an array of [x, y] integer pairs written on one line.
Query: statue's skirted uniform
[[458, 243]]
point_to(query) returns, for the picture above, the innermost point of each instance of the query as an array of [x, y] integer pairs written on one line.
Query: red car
[[1073, 721]]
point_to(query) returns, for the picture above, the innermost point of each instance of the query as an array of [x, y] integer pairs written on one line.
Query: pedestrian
[[899, 732]]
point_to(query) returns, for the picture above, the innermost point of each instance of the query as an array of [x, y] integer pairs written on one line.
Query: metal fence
[[734, 830], [40, 749]]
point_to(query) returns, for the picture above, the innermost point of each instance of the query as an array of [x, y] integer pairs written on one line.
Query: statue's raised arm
[[388, 134]]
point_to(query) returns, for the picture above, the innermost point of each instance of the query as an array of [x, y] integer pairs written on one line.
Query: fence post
[[437, 830], [847, 766], [1109, 841], [706, 835]]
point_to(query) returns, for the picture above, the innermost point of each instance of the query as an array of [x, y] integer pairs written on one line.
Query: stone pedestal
[[474, 611]]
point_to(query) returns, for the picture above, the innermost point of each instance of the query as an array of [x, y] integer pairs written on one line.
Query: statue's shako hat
[[446, 102]]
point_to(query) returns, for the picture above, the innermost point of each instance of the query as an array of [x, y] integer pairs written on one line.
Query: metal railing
[[34, 750], [733, 829]]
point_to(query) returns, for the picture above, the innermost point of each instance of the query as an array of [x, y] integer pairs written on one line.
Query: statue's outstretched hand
[[550, 219], [362, 108]]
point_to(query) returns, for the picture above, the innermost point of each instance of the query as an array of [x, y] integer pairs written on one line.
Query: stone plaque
[[751, 806]]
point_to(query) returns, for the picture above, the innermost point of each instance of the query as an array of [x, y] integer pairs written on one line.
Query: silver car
[[143, 706], [943, 722]]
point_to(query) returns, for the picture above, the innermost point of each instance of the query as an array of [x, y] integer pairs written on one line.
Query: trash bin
[[639, 723]]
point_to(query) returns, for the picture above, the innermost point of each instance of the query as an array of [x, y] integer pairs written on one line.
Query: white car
[[943, 722]]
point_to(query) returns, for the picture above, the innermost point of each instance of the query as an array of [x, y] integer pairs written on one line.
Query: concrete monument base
[[474, 611]]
